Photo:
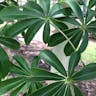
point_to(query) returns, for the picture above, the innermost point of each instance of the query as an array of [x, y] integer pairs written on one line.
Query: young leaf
[[86, 73], [52, 60]]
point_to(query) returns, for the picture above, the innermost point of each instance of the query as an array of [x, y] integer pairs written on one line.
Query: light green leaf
[[45, 5]]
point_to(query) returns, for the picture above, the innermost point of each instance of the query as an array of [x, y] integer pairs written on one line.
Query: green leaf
[[3, 55], [46, 32], [90, 14], [52, 60], [5, 65], [68, 91], [22, 62], [33, 6], [59, 24], [58, 38], [9, 42], [45, 5], [11, 13], [84, 43], [1, 21], [76, 9], [92, 3], [49, 90], [91, 27], [73, 62], [35, 62], [21, 89], [31, 32], [17, 28], [38, 74], [77, 91], [9, 84], [70, 20], [86, 73], [75, 41]]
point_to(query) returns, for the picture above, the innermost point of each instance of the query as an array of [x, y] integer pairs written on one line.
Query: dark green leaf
[[59, 24], [52, 60], [49, 90], [70, 20], [92, 3], [5, 68], [73, 62], [76, 9], [86, 73], [46, 32], [77, 91], [75, 41], [90, 14], [84, 43], [17, 28], [7, 85], [12, 12], [42, 75], [9, 42], [3, 55], [31, 32], [58, 38]]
